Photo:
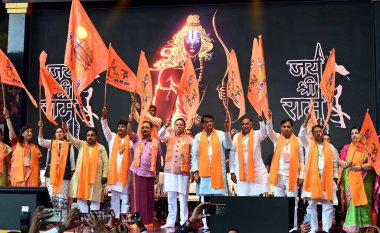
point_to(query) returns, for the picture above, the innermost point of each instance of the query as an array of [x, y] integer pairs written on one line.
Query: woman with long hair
[[357, 178], [26, 156], [60, 165]]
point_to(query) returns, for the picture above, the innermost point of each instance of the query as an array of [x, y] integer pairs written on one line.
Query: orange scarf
[[138, 151], [294, 161], [2, 155], [313, 182], [355, 178], [184, 151], [251, 161], [122, 175], [58, 164], [88, 170], [216, 173], [32, 152]]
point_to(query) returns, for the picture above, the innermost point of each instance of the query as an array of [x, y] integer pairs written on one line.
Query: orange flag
[[327, 84], [51, 86], [86, 54], [119, 74], [313, 119], [368, 143], [257, 86], [144, 87], [10, 76], [234, 88], [188, 92]]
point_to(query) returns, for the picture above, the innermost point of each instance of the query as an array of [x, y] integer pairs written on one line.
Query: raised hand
[[104, 113]]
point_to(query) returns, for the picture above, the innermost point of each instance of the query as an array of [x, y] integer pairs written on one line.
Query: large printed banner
[[296, 46]]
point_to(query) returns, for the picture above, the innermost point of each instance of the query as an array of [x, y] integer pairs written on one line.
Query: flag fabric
[[188, 92], [313, 119], [51, 87], [144, 87], [119, 74], [257, 86], [234, 88], [327, 84], [368, 143], [9, 76], [86, 54]]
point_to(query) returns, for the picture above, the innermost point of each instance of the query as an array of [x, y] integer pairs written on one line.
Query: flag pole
[[2, 89], [39, 101], [105, 93]]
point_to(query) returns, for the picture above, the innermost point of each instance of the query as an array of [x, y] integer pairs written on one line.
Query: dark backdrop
[[291, 31]]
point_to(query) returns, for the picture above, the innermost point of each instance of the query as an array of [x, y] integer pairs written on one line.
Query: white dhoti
[[117, 193], [173, 184]]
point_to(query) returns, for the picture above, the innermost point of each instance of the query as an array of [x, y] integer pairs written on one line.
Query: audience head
[[232, 230]]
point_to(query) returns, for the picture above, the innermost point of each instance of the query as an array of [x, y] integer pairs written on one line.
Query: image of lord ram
[[191, 41]]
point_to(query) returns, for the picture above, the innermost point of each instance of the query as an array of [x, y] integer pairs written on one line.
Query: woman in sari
[[357, 178]]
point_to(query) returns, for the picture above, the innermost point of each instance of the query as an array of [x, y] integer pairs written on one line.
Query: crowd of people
[[132, 164]]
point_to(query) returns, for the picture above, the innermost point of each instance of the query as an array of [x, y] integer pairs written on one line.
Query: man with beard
[[145, 169], [91, 170], [321, 173], [288, 162], [246, 163], [120, 161], [177, 167]]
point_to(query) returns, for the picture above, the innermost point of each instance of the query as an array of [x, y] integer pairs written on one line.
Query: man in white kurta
[[95, 189], [327, 208], [176, 171], [117, 188], [225, 143], [260, 183], [281, 187]]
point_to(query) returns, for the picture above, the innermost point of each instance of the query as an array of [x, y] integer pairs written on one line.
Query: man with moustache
[[321, 173], [120, 160], [246, 164], [91, 170], [288, 163], [177, 167], [145, 169]]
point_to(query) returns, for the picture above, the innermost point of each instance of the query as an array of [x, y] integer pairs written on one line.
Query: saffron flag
[[257, 86], [188, 92], [10, 76], [51, 86], [313, 119], [327, 84], [144, 87], [86, 54], [119, 74], [368, 143], [234, 88]]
